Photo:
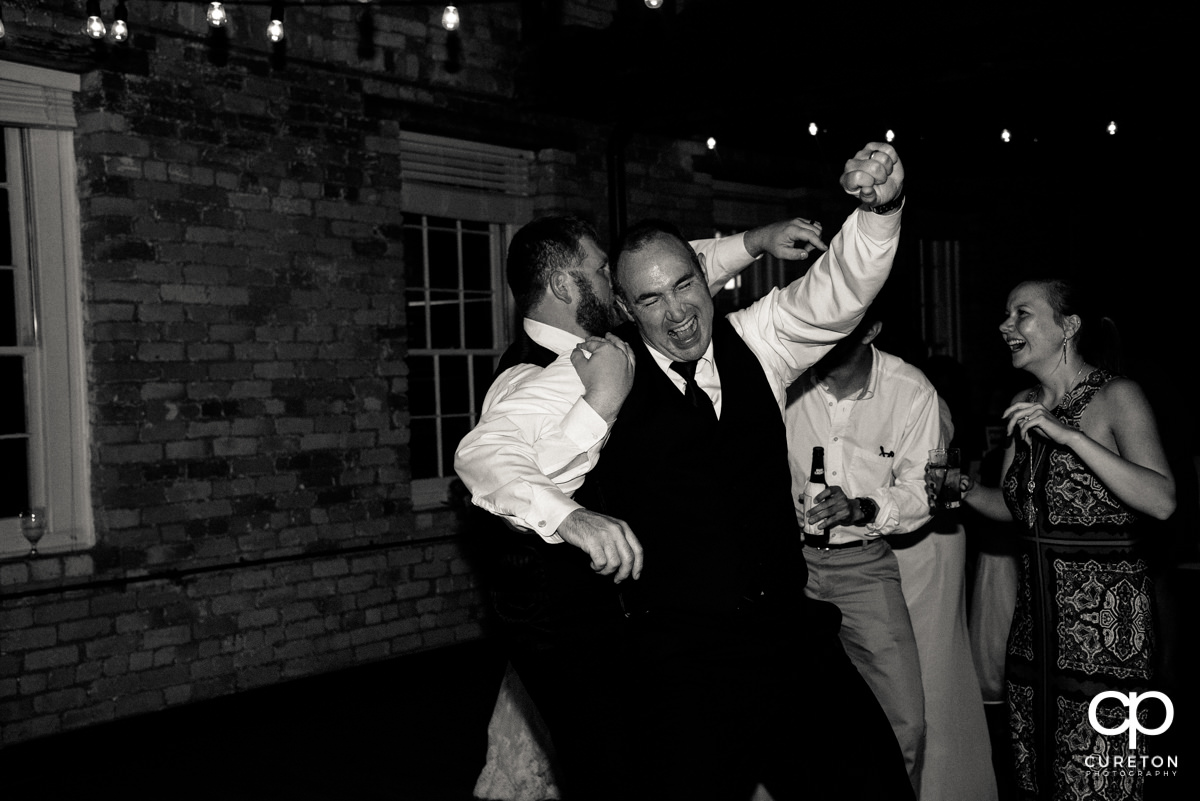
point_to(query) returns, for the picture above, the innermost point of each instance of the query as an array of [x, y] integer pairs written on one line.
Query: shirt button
[[834, 472], [541, 524], [835, 439]]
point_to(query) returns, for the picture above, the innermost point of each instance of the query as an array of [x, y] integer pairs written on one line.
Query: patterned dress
[[1083, 622]]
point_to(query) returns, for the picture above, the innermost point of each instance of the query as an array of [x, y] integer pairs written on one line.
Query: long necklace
[[1035, 459], [1037, 454]]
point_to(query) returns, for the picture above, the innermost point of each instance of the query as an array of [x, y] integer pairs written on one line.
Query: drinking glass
[[945, 466], [33, 527]]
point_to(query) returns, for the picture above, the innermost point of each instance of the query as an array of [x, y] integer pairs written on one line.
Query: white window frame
[[464, 180], [37, 113]]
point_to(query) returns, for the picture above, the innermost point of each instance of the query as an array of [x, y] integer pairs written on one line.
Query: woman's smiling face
[[1029, 328]]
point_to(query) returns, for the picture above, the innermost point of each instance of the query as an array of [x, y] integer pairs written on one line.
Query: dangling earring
[[1065, 338]]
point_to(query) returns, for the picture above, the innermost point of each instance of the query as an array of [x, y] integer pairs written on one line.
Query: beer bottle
[[815, 536]]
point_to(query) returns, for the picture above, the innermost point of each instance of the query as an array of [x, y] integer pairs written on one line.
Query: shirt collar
[[664, 362], [554, 339]]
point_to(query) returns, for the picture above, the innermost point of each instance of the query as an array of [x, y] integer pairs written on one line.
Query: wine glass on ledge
[[33, 527]]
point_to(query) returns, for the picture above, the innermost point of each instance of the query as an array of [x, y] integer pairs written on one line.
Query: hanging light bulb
[[812, 128], [890, 135], [94, 27], [450, 18], [120, 26], [1005, 135], [712, 143], [216, 15], [1112, 128], [654, 3], [275, 26]]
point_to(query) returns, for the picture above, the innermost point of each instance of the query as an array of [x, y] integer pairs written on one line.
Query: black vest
[[711, 503]]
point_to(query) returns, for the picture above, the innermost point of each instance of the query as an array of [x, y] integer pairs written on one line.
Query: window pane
[[483, 367], [8, 308], [472, 225], [477, 261], [420, 386], [12, 397], [14, 489], [443, 259], [423, 447], [455, 395], [5, 227], [445, 316], [414, 258], [478, 313], [453, 430], [417, 314]]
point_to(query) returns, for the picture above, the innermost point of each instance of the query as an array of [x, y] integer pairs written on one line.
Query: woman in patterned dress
[[1083, 465]]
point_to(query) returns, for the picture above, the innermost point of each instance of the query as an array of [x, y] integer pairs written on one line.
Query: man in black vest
[[546, 416], [738, 678]]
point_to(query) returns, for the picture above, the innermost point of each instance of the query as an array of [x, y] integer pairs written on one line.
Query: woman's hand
[[1026, 417]]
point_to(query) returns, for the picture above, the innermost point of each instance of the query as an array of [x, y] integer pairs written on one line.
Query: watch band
[[869, 510], [891, 205]]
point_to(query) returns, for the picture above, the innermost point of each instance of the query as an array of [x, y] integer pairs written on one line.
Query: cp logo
[[1131, 723]]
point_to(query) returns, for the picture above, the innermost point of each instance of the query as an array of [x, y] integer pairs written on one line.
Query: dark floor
[[409, 729]]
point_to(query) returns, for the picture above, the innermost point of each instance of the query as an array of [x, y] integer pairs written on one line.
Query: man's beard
[[591, 314]]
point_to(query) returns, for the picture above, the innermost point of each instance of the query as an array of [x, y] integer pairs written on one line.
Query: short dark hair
[[641, 234], [541, 247]]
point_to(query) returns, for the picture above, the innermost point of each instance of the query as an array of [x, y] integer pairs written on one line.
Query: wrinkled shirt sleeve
[[535, 442], [790, 329]]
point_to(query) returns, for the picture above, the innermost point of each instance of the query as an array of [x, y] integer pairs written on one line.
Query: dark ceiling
[[754, 74]]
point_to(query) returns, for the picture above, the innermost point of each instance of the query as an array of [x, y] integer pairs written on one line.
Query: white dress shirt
[[876, 443], [790, 329], [538, 438], [519, 463]]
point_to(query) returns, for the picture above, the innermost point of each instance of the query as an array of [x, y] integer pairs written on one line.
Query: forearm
[[903, 507], [989, 502], [724, 258], [1141, 488], [790, 329], [525, 466]]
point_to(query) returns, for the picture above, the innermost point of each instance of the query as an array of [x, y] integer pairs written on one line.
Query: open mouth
[[685, 333], [1014, 344]]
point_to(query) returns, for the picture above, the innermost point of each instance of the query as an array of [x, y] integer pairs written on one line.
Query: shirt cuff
[[887, 519], [880, 227], [547, 512], [583, 425]]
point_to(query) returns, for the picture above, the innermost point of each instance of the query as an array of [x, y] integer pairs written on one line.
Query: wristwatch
[[891, 205], [868, 508]]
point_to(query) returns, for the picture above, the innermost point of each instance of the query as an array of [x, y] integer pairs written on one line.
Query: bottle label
[[811, 491]]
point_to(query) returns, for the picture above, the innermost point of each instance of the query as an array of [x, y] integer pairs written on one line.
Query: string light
[[890, 135], [812, 128], [1005, 135], [120, 26], [450, 18], [94, 27], [712, 143], [216, 15], [654, 3], [275, 26], [1112, 128]]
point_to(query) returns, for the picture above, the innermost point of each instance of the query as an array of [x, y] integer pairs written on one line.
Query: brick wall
[[245, 331]]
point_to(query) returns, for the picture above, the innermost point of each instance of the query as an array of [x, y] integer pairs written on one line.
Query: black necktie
[[696, 396]]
